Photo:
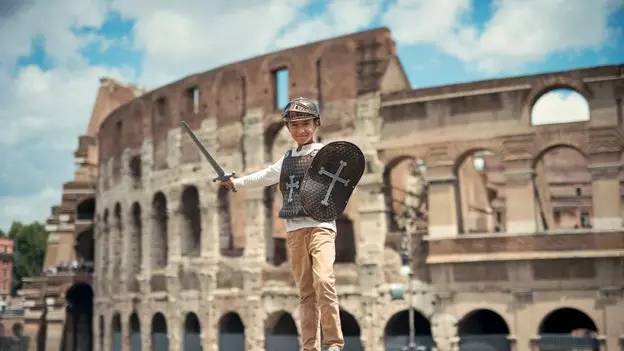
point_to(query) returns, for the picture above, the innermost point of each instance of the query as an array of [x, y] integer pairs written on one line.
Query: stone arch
[[105, 249], [116, 333], [160, 340], [160, 232], [78, 316], [135, 332], [351, 331], [117, 247], [192, 333], [568, 327], [85, 210], [231, 332], [84, 247], [281, 332], [548, 105], [479, 184], [396, 331], [135, 249], [404, 189], [345, 240], [277, 142], [563, 188], [483, 329], [190, 209]]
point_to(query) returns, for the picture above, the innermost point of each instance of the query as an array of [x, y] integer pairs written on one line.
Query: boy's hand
[[228, 184]]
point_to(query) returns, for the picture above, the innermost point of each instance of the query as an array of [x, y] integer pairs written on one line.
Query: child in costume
[[311, 244]]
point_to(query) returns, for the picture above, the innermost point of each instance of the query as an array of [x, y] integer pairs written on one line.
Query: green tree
[[30, 242]]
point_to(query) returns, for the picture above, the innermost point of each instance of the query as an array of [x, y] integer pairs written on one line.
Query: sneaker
[[334, 348]]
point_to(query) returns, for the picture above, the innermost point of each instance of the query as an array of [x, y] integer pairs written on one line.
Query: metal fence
[[13, 343], [567, 342], [281, 343], [232, 341], [160, 342], [485, 342]]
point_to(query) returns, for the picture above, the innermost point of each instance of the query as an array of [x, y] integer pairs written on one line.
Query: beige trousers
[[312, 252]]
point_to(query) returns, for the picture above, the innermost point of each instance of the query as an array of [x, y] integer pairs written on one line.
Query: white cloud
[[29, 207], [519, 32], [560, 106]]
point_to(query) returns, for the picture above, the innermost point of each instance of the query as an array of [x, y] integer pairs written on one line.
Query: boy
[[311, 244]]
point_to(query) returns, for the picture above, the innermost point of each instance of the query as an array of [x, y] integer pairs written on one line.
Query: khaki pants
[[312, 253]]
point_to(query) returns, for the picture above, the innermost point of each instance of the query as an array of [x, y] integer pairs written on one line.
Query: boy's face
[[302, 131]]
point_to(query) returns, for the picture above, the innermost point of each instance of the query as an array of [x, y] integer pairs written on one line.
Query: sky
[[55, 51]]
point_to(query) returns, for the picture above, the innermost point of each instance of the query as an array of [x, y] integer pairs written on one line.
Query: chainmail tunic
[[293, 171]]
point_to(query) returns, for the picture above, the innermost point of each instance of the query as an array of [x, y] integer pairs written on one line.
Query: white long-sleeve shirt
[[271, 175]]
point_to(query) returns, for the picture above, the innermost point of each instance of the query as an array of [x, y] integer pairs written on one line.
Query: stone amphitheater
[[514, 229]]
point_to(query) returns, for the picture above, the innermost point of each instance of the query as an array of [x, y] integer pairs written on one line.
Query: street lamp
[[407, 222]]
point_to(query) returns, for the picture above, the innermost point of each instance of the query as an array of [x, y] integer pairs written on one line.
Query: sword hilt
[[225, 177]]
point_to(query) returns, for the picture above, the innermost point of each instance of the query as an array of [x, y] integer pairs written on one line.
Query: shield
[[330, 180]]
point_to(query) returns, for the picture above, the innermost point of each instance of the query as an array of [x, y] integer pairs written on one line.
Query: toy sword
[[221, 175]]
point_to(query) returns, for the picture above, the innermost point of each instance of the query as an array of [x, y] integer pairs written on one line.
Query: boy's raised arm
[[261, 178]]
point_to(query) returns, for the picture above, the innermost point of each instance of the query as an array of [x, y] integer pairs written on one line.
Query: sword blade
[[221, 175]]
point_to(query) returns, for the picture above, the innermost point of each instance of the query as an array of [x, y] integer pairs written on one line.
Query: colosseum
[[512, 230]]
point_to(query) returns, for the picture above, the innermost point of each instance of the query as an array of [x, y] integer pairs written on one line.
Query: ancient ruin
[[516, 228]]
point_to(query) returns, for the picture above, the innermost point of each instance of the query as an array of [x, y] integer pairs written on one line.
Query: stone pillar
[[174, 328], [173, 238], [126, 332], [254, 331], [108, 331], [145, 321], [606, 199], [520, 201], [443, 216]]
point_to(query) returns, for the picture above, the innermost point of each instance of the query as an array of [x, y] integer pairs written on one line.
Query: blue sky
[[50, 69]]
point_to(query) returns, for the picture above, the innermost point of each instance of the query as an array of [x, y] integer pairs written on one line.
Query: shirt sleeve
[[261, 178]]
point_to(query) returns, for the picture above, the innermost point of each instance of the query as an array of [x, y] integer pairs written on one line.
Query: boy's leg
[[301, 263], [323, 250]]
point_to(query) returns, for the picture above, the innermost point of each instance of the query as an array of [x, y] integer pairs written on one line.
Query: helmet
[[300, 109]]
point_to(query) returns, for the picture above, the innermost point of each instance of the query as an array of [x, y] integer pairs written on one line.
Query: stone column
[[126, 332], [443, 216], [146, 249], [520, 201], [254, 331], [174, 253], [145, 321], [606, 199], [174, 328], [108, 331]]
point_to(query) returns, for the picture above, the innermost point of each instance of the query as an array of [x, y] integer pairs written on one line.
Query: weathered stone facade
[[180, 261]]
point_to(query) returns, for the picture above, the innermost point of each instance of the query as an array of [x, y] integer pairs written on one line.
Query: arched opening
[[274, 227], [345, 240], [568, 328], [483, 330], [160, 340], [561, 105], [280, 332], [116, 342], [396, 332], [192, 331], [85, 211], [136, 172], [563, 189], [78, 318], [136, 252], [84, 248], [479, 184], [231, 333], [160, 220], [351, 332], [117, 248], [405, 190], [226, 235], [191, 223], [135, 332], [104, 250]]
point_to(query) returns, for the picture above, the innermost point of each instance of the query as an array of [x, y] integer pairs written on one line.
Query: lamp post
[[408, 223]]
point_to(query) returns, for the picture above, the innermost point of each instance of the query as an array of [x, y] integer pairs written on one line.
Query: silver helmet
[[301, 109]]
